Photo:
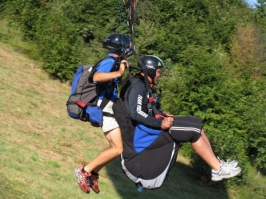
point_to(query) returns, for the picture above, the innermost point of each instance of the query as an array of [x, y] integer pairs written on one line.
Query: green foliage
[[63, 51], [261, 8], [25, 13], [2, 3], [256, 126], [92, 23], [65, 32]]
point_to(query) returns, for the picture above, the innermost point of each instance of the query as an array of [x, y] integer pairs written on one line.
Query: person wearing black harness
[[108, 76], [150, 141]]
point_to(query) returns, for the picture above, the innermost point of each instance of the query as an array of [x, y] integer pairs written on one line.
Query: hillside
[[41, 145]]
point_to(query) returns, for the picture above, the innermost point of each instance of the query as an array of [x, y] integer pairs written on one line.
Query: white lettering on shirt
[[139, 106]]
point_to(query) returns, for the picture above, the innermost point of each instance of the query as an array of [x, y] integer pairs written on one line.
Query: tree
[[261, 8]]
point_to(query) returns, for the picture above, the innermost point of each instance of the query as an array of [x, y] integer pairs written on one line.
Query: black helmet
[[117, 43], [151, 63]]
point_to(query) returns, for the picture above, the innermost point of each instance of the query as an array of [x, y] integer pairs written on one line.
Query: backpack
[[82, 101]]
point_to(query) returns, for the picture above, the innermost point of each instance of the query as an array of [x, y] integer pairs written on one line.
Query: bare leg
[[203, 148], [107, 155], [205, 138]]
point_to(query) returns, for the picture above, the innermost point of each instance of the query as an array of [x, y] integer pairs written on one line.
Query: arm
[[104, 74], [136, 99]]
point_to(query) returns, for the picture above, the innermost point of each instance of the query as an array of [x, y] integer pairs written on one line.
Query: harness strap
[[108, 114]]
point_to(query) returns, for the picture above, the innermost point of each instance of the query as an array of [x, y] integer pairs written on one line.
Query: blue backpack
[[82, 101]]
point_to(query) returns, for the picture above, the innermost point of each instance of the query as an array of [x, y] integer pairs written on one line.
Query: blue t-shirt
[[107, 66]]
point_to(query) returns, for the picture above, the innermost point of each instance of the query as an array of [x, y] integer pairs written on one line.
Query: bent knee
[[117, 150]]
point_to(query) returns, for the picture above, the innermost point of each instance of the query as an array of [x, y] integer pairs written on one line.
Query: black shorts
[[186, 129]]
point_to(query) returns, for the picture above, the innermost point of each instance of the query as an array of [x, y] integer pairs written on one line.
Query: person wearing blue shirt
[[108, 75]]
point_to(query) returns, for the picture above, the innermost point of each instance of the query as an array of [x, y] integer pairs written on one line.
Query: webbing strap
[[108, 114], [131, 16]]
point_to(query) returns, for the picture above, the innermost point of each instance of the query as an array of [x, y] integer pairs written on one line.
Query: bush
[[59, 44]]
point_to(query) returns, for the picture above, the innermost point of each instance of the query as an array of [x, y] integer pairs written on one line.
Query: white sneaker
[[233, 163], [227, 170]]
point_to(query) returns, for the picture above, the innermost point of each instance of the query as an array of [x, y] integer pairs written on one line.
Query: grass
[[40, 145]]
